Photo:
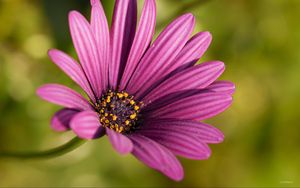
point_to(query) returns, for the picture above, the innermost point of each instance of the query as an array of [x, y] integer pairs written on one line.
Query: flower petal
[[72, 69], [86, 125], [179, 142], [156, 156], [222, 87], [159, 56], [60, 122], [100, 29], [122, 35], [141, 41], [196, 107], [192, 51], [196, 77], [86, 48], [64, 96], [206, 133], [120, 142]]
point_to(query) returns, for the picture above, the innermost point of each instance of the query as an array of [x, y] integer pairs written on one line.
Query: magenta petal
[[86, 125], [86, 48], [72, 69], [141, 41], [222, 87], [196, 107], [192, 51], [120, 142], [95, 2], [60, 122], [179, 143], [196, 77], [64, 96], [100, 29], [122, 35], [156, 156], [161, 53], [206, 133]]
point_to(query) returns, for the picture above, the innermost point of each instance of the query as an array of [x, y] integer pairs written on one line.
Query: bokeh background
[[259, 40]]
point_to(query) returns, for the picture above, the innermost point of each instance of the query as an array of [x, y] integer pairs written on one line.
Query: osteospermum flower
[[147, 98]]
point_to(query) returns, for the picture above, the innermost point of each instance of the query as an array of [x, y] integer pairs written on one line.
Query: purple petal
[[95, 2], [72, 69], [159, 56], [192, 51], [86, 125], [100, 29], [196, 77], [141, 41], [179, 142], [64, 96], [60, 122], [206, 133], [156, 156], [122, 35], [86, 48], [222, 87], [120, 142], [196, 107]]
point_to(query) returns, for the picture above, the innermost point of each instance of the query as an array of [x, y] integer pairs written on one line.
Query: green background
[[257, 39]]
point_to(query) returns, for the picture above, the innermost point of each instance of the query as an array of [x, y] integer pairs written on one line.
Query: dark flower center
[[118, 111]]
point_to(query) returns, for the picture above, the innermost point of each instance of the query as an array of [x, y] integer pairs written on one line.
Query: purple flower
[[148, 98]]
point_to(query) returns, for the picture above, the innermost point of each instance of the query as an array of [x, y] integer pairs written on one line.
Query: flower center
[[118, 111]]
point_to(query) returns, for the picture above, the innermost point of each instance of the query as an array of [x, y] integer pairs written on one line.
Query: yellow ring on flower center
[[118, 111]]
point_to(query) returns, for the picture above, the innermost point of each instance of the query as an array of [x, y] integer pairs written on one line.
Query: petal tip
[[73, 14], [177, 177], [95, 2], [40, 91]]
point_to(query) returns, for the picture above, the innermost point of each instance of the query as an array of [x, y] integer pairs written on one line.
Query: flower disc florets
[[118, 111]]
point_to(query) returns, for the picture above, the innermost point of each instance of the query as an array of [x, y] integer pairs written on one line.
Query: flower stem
[[55, 152]]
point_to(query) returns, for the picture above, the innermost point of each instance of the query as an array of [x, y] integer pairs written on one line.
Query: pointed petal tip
[[221, 138], [40, 90], [153, 4], [189, 19], [53, 53], [206, 35], [95, 2], [217, 65], [178, 177], [233, 88], [74, 14], [50, 52], [189, 16]]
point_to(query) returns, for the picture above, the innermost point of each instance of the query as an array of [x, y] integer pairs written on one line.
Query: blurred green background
[[257, 39]]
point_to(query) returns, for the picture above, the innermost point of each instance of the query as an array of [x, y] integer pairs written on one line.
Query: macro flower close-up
[[148, 98], [149, 93]]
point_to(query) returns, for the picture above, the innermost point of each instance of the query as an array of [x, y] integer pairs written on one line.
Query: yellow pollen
[[120, 95], [118, 111], [133, 116], [132, 102], [136, 108]]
